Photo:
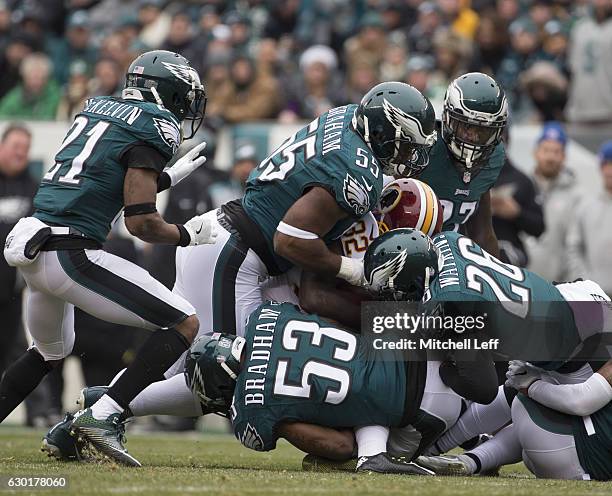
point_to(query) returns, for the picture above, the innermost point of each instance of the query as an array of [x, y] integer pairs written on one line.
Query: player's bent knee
[[189, 328]]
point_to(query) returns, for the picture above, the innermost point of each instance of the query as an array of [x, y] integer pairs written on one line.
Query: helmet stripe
[[421, 206], [432, 209], [428, 207]]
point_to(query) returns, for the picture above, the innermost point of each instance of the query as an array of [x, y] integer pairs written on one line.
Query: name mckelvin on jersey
[[259, 358], [118, 110]]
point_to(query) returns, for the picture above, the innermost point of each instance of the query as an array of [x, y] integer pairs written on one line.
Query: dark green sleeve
[[255, 432]]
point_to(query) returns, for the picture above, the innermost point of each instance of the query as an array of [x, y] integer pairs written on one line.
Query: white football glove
[[186, 164], [521, 375], [201, 230]]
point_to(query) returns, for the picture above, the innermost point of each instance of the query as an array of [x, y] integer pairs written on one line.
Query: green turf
[[198, 463]]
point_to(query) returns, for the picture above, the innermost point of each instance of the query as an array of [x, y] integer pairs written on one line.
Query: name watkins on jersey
[[332, 129], [260, 357], [123, 111], [448, 270]]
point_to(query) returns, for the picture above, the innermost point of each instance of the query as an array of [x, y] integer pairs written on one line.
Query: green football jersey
[[298, 367], [526, 312], [593, 435], [84, 189], [327, 153], [459, 199]]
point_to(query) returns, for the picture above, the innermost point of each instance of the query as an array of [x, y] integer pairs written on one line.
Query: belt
[[68, 238]]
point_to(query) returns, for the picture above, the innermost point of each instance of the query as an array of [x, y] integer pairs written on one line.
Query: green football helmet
[[167, 79], [398, 124], [473, 120], [211, 369], [400, 264]]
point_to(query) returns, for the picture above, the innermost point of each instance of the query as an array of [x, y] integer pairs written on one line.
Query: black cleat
[[384, 463]]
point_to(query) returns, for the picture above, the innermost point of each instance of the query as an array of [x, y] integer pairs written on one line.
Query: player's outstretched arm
[[320, 441], [298, 236], [480, 226], [141, 217]]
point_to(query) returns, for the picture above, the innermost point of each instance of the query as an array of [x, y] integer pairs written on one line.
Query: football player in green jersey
[[298, 376], [465, 163], [112, 159], [302, 197], [560, 431]]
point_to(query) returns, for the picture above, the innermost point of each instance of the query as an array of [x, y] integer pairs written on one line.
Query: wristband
[[185, 238], [163, 182]]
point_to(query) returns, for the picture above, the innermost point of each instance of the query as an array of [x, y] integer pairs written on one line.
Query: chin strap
[[158, 100]]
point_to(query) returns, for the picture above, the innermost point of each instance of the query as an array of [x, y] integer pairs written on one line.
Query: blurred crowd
[[294, 59]]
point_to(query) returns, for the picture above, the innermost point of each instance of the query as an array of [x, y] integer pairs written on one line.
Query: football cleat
[[89, 395], [447, 464], [384, 463], [59, 444], [106, 436], [313, 463]]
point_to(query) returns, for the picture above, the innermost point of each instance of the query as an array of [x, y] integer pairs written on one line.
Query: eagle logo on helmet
[[169, 133], [183, 72], [409, 126], [383, 275], [251, 438], [356, 196]]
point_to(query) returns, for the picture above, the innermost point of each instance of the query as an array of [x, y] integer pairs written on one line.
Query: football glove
[[186, 164], [521, 375], [201, 230]]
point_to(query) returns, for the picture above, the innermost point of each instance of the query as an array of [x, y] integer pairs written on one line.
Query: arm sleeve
[[143, 157], [574, 399]]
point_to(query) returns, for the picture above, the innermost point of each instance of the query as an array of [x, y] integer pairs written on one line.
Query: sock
[[477, 419], [104, 407], [371, 440], [503, 449], [160, 351], [471, 461], [20, 379], [168, 397]]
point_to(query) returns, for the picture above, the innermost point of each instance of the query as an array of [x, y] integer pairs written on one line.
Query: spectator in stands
[[421, 34], [492, 41], [418, 72], [393, 66], [240, 30], [554, 45], [452, 54], [37, 97], [516, 209], [248, 95], [359, 81], [75, 92], [590, 233], [75, 46], [17, 48], [558, 188], [316, 88], [154, 21], [181, 38], [544, 93], [245, 160], [5, 23], [457, 15], [508, 10], [17, 189], [590, 98], [107, 80], [368, 46]]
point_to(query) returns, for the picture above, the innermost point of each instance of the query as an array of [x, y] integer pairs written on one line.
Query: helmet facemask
[[470, 141]]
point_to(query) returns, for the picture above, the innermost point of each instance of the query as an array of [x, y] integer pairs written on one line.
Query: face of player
[[549, 156]]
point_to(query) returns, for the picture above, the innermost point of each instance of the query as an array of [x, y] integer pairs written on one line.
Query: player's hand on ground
[[201, 230], [186, 164], [521, 375]]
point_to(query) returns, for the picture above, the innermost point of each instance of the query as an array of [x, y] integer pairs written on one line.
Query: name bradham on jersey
[[523, 310], [326, 153], [299, 367], [459, 199], [84, 189]]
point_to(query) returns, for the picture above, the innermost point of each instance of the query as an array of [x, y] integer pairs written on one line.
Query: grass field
[[206, 463]]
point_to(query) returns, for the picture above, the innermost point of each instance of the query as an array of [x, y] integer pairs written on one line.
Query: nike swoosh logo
[[368, 186], [198, 231]]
